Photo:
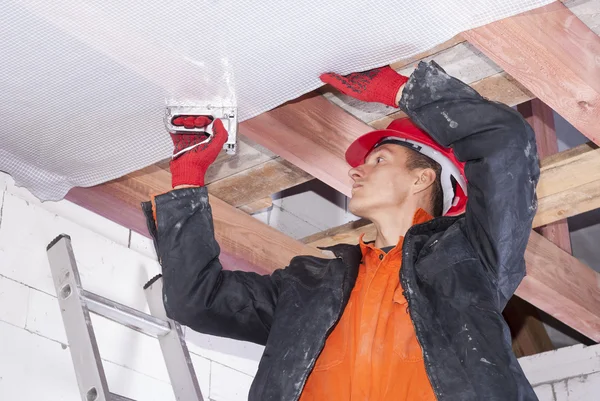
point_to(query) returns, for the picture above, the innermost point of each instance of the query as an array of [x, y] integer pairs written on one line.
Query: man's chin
[[357, 207]]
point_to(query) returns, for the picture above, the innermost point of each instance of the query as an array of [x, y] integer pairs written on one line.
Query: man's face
[[382, 182]]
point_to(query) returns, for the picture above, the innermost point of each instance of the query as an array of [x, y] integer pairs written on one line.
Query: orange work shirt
[[373, 354]]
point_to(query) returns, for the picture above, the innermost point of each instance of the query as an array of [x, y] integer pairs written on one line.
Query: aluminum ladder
[[76, 305]]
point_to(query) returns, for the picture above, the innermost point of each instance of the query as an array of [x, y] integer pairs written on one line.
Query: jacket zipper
[[416, 325], [329, 330]]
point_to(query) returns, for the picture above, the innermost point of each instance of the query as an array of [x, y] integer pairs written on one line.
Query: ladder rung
[[117, 397], [125, 315]]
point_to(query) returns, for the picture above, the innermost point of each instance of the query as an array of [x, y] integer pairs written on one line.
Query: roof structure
[[544, 59]]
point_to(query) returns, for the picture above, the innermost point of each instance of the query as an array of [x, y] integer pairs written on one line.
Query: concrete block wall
[[34, 358], [566, 374], [35, 363]]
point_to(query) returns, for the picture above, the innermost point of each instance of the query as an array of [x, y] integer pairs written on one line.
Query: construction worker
[[414, 315]]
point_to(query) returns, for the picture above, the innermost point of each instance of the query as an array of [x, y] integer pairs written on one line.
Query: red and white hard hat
[[404, 132]]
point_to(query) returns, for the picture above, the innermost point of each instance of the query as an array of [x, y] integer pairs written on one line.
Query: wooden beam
[[561, 286], [248, 189], [247, 243], [249, 154], [259, 182], [566, 174], [311, 133], [428, 53], [569, 184], [341, 234], [257, 206], [555, 55], [541, 119], [529, 336]]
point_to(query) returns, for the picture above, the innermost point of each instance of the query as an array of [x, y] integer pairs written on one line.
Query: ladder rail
[[76, 304]]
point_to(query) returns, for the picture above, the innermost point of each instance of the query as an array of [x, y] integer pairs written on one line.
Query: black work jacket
[[457, 272]]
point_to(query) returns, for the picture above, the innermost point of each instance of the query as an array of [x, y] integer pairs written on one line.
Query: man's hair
[[417, 160]]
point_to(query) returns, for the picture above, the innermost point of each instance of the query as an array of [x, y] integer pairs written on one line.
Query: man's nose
[[356, 172]]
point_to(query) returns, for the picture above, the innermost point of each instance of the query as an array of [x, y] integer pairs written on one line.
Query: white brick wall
[[567, 374], [34, 360]]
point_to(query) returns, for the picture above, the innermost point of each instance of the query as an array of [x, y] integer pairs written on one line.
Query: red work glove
[[378, 85], [189, 167]]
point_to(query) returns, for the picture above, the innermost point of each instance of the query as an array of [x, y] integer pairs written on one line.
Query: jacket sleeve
[[197, 292], [502, 167]]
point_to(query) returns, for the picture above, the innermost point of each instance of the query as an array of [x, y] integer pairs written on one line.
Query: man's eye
[[379, 159]]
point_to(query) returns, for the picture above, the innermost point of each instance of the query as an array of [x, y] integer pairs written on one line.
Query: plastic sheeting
[[83, 83]]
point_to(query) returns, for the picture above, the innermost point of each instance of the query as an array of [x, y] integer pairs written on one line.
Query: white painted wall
[[35, 362], [307, 209]]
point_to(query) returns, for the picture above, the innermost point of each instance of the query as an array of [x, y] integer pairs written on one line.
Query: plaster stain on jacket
[[528, 149], [453, 124], [486, 361]]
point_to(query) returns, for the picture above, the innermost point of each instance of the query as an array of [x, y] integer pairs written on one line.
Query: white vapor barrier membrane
[[84, 83]]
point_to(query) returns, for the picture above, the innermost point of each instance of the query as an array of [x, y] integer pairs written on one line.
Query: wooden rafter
[[561, 286], [529, 336], [552, 53], [309, 132], [247, 243], [463, 60]]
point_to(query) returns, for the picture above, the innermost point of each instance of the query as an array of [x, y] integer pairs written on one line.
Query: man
[[416, 315]]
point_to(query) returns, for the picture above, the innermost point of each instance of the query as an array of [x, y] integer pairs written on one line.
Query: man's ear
[[425, 178]]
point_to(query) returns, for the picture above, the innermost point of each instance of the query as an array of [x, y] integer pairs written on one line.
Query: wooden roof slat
[[257, 205], [258, 182], [400, 64]]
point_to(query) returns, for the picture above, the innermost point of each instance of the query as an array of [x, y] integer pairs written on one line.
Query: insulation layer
[[83, 83]]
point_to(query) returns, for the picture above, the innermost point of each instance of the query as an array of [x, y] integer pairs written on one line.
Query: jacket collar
[[352, 254]]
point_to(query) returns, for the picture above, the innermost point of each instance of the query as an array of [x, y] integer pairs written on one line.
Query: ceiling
[[83, 84]]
